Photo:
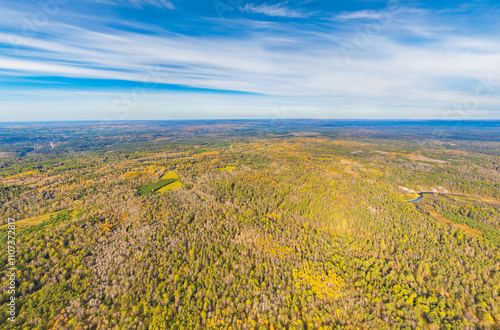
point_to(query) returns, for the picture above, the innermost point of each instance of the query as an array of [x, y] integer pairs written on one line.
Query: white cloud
[[277, 10], [363, 14], [385, 15]]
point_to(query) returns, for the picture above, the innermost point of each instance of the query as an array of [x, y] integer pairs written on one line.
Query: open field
[[170, 175], [171, 186], [32, 221]]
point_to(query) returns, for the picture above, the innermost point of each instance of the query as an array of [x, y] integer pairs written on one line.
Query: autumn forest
[[292, 224]]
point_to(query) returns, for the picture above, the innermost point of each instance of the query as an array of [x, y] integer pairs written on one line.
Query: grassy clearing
[[438, 217], [169, 181], [472, 226], [171, 186], [151, 188], [169, 175], [39, 223], [32, 221]]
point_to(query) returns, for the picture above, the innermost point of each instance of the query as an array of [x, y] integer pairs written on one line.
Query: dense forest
[[252, 225]]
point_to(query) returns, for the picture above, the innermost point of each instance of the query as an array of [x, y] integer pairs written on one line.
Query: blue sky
[[186, 59]]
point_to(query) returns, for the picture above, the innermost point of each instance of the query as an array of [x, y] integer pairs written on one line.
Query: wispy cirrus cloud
[[277, 10], [415, 67], [362, 14], [140, 3], [317, 68], [382, 14]]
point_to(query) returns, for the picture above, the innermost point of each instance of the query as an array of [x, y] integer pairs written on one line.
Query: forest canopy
[[302, 225]]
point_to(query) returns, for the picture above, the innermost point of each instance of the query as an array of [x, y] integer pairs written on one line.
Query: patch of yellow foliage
[[259, 241], [273, 216], [228, 168], [374, 171], [250, 177], [76, 185], [133, 174], [28, 173], [105, 228], [325, 286], [148, 170], [274, 248], [208, 153], [61, 318]]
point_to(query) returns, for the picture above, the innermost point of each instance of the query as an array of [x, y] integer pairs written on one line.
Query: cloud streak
[[277, 10], [166, 4], [286, 64], [363, 14]]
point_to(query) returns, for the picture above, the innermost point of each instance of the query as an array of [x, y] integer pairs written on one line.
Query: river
[[420, 196]]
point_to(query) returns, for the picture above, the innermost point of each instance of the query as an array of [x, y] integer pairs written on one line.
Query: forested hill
[[252, 224]]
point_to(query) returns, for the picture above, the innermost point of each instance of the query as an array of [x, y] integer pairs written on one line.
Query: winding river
[[449, 196], [420, 196]]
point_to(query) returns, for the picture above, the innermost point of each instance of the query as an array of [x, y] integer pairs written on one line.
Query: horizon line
[[253, 119]]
